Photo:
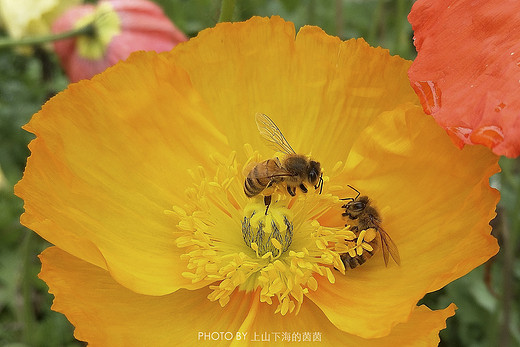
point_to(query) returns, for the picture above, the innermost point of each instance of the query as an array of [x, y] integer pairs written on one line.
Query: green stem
[[510, 190], [339, 19], [28, 315], [402, 35], [226, 11], [507, 281], [375, 24], [84, 30], [311, 12]]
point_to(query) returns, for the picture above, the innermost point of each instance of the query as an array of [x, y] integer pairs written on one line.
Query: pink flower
[[120, 27]]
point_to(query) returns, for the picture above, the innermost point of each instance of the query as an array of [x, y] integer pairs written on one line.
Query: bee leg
[[291, 191], [303, 188], [354, 228], [267, 202], [320, 183], [347, 214]]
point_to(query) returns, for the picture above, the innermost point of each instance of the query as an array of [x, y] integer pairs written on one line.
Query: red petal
[[467, 71]]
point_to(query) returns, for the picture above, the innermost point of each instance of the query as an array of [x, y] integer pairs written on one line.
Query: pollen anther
[[231, 244]]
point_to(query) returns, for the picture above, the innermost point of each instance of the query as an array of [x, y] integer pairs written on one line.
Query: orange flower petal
[[467, 69], [109, 160], [438, 219], [422, 328], [105, 313], [318, 89]]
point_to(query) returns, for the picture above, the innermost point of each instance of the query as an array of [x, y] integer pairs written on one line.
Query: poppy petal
[[108, 153], [105, 313], [466, 71], [320, 91]]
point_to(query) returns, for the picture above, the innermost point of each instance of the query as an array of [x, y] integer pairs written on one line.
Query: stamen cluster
[[286, 249]]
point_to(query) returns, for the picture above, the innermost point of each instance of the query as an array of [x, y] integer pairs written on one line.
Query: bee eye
[[359, 206], [312, 176]]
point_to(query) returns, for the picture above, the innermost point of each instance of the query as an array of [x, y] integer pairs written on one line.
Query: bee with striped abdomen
[[294, 169], [360, 209]]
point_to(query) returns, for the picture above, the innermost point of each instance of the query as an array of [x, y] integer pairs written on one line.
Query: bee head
[[314, 171], [356, 206]]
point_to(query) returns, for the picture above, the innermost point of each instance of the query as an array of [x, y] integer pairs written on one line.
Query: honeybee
[[295, 169], [367, 216]]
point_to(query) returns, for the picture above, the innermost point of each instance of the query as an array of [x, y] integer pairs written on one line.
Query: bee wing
[[280, 172], [272, 134], [388, 246]]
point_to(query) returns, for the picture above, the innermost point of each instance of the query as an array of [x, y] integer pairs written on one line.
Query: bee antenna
[[357, 191]]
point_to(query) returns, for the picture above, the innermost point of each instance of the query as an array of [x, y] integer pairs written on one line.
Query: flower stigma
[[267, 233], [230, 243]]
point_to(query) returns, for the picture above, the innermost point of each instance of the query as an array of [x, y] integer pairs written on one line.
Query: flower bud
[[117, 28]]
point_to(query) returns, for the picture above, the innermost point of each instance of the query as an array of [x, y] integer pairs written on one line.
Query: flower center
[[230, 242], [267, 233], [106, 25]]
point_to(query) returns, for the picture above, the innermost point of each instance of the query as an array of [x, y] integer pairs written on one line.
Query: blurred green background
[[487, 298]]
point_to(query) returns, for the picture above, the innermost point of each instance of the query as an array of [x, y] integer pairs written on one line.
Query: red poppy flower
[[120, 28], [467, 72]]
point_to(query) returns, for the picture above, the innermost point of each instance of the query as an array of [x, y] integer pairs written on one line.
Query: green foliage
[[26, 81], [379, 22], [487, 298], [191, 16]]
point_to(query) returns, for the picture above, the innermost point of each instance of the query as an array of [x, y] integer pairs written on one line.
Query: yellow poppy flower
[[137, 177]]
